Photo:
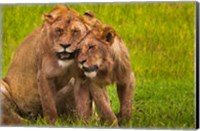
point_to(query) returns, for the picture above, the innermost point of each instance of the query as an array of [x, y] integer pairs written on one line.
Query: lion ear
[[89, 13], [108, 34], [48, 17], [55, 13]]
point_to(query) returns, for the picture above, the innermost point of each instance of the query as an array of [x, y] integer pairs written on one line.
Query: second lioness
[[104, 60]]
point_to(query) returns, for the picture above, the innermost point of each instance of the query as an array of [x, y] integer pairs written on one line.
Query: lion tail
[[4, 88]]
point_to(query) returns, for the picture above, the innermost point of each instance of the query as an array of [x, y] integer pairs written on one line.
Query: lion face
[[66, 37], [66, 30], [93, 56]]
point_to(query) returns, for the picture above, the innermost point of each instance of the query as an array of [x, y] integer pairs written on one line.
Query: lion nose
[[82, 62], [65, 45]]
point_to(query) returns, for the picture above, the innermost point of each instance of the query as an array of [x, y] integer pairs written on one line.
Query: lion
[[43, 65], [104, 59]]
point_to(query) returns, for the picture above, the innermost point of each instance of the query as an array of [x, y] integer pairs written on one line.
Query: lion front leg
[[83, 100], [125, 92], [102, 102], [47, 92], [8, 114]]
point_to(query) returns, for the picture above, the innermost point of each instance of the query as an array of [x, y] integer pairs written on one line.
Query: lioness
[[104, 59], [42, 65]]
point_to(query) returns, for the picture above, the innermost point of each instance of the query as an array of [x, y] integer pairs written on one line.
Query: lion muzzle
[[65, 55], [90, 69]]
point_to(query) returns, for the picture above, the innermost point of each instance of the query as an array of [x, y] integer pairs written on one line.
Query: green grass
[[160, 39]]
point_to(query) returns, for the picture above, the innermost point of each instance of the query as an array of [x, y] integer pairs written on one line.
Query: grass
[[160, 39]]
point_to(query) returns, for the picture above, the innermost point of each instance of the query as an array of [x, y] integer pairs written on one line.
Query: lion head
[[94, 55], [65, 28]]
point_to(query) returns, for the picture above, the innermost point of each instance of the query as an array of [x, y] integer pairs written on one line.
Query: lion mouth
[[90, 69], [65, 55]]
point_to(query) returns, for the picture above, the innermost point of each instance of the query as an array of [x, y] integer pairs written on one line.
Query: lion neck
[[121, 59]]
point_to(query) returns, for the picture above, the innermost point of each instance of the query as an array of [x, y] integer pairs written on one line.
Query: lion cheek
[[70, 49], [58, 49]]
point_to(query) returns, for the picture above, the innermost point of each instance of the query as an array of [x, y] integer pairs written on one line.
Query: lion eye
[[91, 47], [59, 31], [75, 32]]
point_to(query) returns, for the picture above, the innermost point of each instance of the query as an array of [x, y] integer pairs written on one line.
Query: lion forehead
[[78, 25]]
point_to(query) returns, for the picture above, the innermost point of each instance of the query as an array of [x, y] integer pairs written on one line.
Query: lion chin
[[90, 74], [65, 63]]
